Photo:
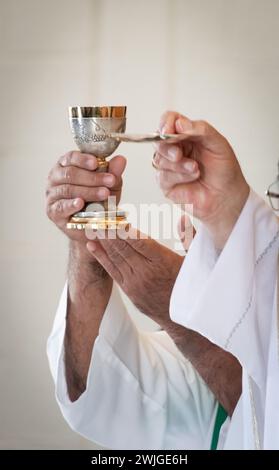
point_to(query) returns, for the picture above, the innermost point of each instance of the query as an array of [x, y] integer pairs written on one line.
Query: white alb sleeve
[[141, 392], [229, 297]]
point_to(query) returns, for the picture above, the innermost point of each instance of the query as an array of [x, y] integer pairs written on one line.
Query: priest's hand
[[146, 271], [219, 191], [73, 181], [143, 268]]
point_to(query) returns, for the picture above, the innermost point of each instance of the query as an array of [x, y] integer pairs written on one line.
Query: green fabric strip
[[221, 417]]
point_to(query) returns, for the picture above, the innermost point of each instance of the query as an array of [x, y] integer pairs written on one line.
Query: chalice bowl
[[92, 128]]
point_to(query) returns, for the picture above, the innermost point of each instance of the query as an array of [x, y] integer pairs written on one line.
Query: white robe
[[232, 300], [141, 392]]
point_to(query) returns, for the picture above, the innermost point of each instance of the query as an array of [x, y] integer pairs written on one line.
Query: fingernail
[[183, 125], [109, 179], [76, 202], [91, 246], [91, 163], [102, 193], [190, 166]]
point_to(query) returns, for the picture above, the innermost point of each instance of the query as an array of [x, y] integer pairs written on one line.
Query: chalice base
[[105, 220]]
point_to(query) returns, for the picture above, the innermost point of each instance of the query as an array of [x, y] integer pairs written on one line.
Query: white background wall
[[211, 59]]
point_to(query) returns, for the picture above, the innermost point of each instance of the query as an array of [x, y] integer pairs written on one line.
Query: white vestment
[[141, 392], [231, 299]]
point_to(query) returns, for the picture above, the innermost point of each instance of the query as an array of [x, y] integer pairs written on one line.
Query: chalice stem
[[98, 206]]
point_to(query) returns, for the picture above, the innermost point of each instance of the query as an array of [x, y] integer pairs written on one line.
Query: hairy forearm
[[89, 290], [219, 369]]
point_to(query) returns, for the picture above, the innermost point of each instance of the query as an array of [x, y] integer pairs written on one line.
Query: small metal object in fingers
[[145, 138]]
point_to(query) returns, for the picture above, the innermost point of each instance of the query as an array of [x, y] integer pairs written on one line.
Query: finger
[[91, 234], [168, 179], [80, 177], [186, 165], [101, 256], [61, 210], [167, 122], [141, 243], [81, 160], [189, 193], [174, 153], [185, 223], [120, 251], [117, 256], [69, 191], [117, 165], [115, 245], [201, 131], [186, 231]]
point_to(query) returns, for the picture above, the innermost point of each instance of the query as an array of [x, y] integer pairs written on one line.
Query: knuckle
[[59, 207], [204, 127], [163, 177], [95, 177], [68, 158], [167, 114], [63, 160], [64, 191]]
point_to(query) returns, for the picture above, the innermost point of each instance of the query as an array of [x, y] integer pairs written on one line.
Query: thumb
[[201, 131], [117, 165], [183, 125]]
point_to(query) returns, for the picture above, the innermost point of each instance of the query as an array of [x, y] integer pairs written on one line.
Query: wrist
[[83, 268], [78, 250], [188, 341], [221, 226]]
